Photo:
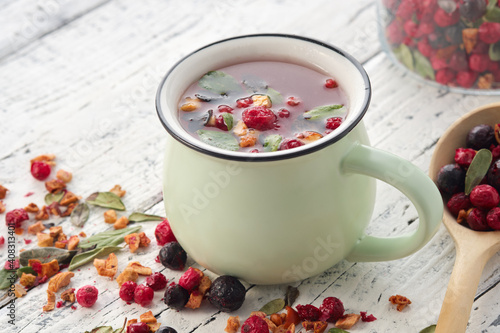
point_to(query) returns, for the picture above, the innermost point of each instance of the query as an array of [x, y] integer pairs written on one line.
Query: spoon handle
[[461, 291]]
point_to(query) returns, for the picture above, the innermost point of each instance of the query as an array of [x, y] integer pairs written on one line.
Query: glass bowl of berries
[[446, 43]]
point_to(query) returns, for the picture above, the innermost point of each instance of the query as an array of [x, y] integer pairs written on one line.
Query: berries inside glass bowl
[[470, 186]]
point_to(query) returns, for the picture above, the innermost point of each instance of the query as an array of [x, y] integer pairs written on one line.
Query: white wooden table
[[78, 79]]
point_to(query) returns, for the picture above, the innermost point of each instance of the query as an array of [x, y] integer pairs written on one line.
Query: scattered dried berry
[[255, 324], [156, 281], [86, 296], [173, 256], [190, 279], [308, 312], [127, 290], [15, 217], [143, 295], [227, 293], [458, 201], [332, 309], [138, 328], [163, 233], [40, 170], [176, 297]]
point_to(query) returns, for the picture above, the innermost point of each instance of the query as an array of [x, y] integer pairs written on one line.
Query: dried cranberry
[[176, 297], [259, 117], [333, 123], [458, 62], [444, 19], [484, 197], [156, 281], [493, 218], [331, 309], [190, 279], [308, 312], [445, 76], [458, 202], [331, 83], [12, 264], [40, 170], [451, 179], [480, 136], [489, 32], [479, 62], [227, 293], [438, 62], [15, 217], [173, 256], [127, 291], [290, 143], [394, 32], [225, 108], [220, 123], [406, 9], [2, 240], [86, 296], [138, 328], [164, 233], [466, 79], [411, 28], [464, 156], [283, 113], [425, 48], [476, 219], [495, 152], [244, 102], [255, 324], [293, 101], [367, 318], [143, 295]]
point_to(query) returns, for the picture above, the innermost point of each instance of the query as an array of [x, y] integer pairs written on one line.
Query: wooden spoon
[[473, 248]]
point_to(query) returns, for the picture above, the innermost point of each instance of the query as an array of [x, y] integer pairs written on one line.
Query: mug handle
[[413, 183]]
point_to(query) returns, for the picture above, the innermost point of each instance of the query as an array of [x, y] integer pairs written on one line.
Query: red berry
[[479, 62], [331, 83], [445, 76], [458, 202], [292, 101], [438, 63], [493, 218], [244, 102], [15, 217], [458, 62], [290, 143], [259, 118], [425, 48], [489, 32], [87, 296], [225, 108], [481, 48], [406, 9], [484, 197], [466, 79], [495, 152], [395, 32], [308, 312], [283, 113], [143, 295], [477, 220], [424, 28], [163, 233], [127, 291], [255, 324], [331, 309], [156, 281], [333, 123], [2, 240], [254, 151], [220, 123], [443, 19], [411, 28], [464, 156], [40, 170], [138, 328], [190, 280]]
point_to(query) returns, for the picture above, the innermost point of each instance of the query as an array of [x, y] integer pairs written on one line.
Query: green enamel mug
[[280, 217]]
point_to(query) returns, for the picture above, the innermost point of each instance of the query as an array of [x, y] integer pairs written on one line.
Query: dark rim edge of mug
[[291, 153]]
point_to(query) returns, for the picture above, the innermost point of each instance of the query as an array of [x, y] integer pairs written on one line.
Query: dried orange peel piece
[[107, 267], [400, 301], [60, 280]]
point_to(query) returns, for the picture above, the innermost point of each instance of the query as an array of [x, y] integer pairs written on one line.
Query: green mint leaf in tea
[[218, 139], [323, 112], [272, 142], [219, 82]]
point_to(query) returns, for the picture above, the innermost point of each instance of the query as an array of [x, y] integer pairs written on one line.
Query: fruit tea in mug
[[262, 106], [287, 212]]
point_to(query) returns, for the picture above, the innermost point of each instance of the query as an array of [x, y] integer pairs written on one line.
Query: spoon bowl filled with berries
[[466, 168]]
